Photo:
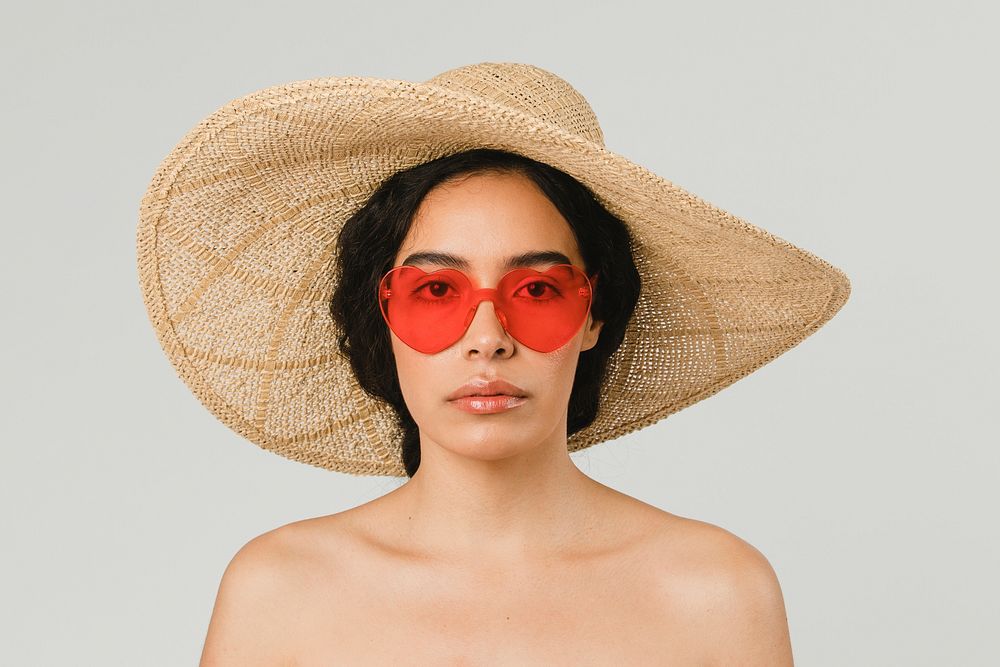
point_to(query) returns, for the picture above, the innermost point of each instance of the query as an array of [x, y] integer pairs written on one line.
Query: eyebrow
[[526, 259]]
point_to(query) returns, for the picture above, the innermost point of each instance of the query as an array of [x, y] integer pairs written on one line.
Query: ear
[[592, 329]]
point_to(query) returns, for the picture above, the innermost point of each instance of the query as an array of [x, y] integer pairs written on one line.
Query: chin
[[490, 443]]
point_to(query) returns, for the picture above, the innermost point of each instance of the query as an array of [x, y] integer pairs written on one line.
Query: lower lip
[[484, 405]]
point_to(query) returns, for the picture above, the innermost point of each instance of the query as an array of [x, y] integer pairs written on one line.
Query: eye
[[436, 290], [539, 289]]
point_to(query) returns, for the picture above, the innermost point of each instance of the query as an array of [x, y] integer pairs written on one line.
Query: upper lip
[[480, 386]]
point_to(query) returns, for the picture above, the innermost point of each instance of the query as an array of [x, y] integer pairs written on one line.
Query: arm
[[245, 627], [744, 614]]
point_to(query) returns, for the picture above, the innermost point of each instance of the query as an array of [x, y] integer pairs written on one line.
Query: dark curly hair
[[371, 238]]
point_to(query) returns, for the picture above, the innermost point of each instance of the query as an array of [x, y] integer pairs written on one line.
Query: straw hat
[[238, 226]]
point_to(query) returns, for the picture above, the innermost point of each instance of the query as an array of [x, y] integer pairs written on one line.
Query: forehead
[[488, 220]]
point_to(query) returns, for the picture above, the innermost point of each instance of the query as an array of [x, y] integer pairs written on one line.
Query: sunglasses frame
[[478, 295]]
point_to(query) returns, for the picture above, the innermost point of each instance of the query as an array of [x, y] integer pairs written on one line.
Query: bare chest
[[598, 614]]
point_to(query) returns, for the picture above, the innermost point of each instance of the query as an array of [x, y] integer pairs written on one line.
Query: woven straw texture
[[238, 226]]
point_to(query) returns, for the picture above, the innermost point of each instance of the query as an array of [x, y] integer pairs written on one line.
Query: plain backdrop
[[863, 462]]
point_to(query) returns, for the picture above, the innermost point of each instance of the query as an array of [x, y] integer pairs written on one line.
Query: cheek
[[408, 369], [423, 380], [556, 369]]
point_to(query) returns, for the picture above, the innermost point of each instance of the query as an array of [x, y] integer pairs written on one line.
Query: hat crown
[[529, 89]]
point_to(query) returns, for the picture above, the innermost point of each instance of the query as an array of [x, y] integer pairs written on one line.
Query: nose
[[486, 328]]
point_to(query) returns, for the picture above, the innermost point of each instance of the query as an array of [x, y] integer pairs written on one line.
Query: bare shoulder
[[260, 599], [724, 589]]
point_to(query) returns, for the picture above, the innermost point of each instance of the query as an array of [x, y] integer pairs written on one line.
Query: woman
[[459, 275]]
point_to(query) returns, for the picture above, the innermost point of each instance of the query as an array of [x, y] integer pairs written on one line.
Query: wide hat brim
[[238, 226]]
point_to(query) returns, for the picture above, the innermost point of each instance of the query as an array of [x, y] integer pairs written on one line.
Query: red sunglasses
[[430, 312]]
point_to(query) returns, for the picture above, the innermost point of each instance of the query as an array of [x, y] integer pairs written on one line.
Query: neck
[[527, 506]]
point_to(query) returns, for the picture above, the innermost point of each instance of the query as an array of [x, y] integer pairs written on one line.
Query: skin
[[499, 550], [502, 485]]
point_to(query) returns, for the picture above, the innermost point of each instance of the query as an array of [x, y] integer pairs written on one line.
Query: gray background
[[862, 463]]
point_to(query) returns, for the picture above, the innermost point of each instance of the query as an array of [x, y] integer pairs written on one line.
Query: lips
[[487, 405], [481, 386]]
